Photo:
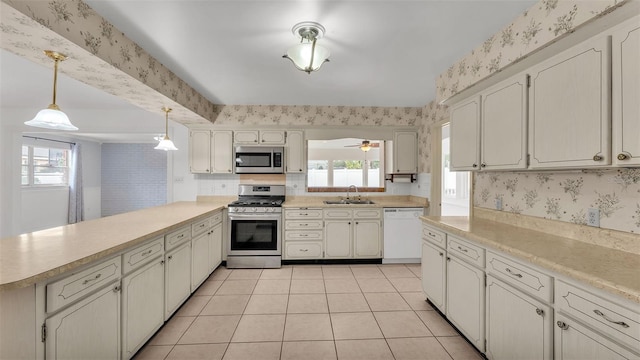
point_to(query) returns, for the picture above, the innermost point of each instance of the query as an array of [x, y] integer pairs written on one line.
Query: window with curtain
[[45, 166]]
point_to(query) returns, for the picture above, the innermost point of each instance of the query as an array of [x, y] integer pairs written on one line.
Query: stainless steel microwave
[[259, 160]]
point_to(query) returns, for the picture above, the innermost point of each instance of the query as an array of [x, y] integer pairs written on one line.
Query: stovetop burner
[[257, 202]]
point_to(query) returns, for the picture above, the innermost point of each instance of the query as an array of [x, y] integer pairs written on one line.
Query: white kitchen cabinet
[[272, 137], [221, 152], [337, 235], [466, 299], [210, 152], [142, 306], [434, 267], [367, 239], [215, 247], [303, 234], [574, 341], [402, 154], [88, 329], [503, 125], [295, 152], [626, 92], [246, 137], [177, 278], [569, 108], [465, 135], [518, 326], [199, 260]]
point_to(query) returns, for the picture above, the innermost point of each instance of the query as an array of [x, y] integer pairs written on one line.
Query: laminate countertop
[[612, 270], [33, 257]]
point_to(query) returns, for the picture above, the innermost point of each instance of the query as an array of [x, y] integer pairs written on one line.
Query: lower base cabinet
[[177, 278], [89, 329], [215, 247], [142, 306], [199, 260], [433, 274], [518, 326], [366, 239]]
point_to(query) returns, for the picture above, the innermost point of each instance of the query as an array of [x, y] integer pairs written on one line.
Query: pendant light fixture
[[308, 56], [166, 144], [52, 117]]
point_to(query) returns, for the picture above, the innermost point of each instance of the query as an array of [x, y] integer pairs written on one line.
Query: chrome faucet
[[349, 189]]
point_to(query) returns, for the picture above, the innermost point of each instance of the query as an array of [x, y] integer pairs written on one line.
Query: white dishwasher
[[402, 229]]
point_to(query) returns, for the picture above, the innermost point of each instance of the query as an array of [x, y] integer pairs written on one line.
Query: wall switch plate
[[499, 204], [593, 217]]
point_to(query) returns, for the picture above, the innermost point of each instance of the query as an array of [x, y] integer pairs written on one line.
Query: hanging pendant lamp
[[52, 117], [166, 144], [308, 56]]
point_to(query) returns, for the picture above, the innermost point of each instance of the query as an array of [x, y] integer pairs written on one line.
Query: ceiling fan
[[365, 146]]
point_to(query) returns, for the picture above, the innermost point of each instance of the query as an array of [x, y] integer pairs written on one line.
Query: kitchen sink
[[348, 202]]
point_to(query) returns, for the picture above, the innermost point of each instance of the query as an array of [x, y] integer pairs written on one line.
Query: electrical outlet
[[499, 204], [593, 217]]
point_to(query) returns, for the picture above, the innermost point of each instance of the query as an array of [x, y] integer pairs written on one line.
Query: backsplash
[[566, 196]]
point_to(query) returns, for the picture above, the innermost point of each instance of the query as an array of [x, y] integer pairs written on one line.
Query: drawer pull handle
[[430, 234], [463, 250], [304, 224], [93, 279], [180, 236], [621, 323], [513, 273], [304, 235], [303, 214], [146, 253], [304, 250], [562, 325], [539, 312]]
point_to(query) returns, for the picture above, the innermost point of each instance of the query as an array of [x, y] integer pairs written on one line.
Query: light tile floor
[[309, 312]]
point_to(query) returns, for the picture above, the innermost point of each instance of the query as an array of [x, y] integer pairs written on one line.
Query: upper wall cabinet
[[569, 108], [221, 152], [626, 93], [295, 152], [210, 152], [401, 154], [465, 135], [259, 137], [503, 129]]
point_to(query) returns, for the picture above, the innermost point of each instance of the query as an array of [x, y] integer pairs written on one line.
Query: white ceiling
[[383, 53]]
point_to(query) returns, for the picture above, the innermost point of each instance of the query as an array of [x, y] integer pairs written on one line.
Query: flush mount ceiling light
[[307, 56], [52, 117], [166, 144]]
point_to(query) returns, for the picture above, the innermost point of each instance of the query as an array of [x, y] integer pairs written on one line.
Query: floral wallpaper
[[566, 196], [432, 114], [99, 55], [541, 24]]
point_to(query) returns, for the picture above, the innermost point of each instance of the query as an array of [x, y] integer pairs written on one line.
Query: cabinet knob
[[441, 254], [116, 289], [357, 223], [448, 258], [229, 170], [161, 262], [562, 325], [475, 165], [623, 156], [483, 165], [597, 157], [539, 312]]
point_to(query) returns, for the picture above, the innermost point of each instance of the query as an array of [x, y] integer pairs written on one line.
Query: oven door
[[251, 234]]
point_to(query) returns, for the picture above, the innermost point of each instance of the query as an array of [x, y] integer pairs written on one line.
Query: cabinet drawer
[[72, 288], [199, 227], [303, 249], [303, 225], [520, 276], [303, 235], [465, 250], [434, 236], [216, 219], [367, 213], [303, 213], [177, 237], [139, 256], [610, 318], [338, 214]]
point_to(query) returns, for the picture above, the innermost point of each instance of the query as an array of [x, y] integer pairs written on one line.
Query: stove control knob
[[241, 209], [254, 209]]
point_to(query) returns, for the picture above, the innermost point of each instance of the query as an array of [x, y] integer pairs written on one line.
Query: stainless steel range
[[255, 222]]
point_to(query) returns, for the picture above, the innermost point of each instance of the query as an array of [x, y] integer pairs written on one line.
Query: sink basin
[[348, 202]]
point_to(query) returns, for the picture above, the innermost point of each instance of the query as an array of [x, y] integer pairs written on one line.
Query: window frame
[[31, 166]]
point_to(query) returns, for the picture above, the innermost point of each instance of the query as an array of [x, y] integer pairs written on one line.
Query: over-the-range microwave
[[259, 160]]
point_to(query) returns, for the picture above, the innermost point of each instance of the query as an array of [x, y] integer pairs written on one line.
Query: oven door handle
[[275, 216]]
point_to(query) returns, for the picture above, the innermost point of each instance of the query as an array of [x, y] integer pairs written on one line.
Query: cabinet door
[[366, 239], [272, 137], [222, 152], [296, 159], [199, 260], [574, 341], [89, 329], [465, 300], [433, 274], [405, 152], [177, 278], [337, 235], [465, 135], [215, 247], [625, 93], [199, 151], [142, 306], [245, 137], [569, 102], [518, 327], [503, 140]]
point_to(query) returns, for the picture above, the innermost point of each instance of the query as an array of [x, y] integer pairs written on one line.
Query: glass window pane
[[318, 173], [347, 172]]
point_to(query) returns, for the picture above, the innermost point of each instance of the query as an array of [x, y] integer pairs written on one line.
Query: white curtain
[[76, 202]]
